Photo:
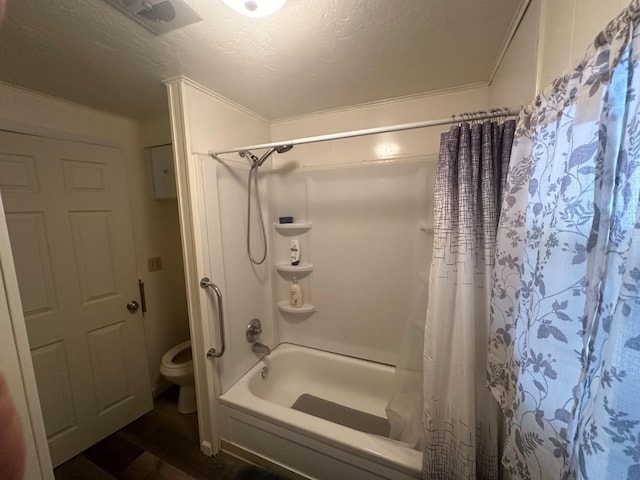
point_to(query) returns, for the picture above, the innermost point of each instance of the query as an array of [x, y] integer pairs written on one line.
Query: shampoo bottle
[[295, 294], [295, 252]]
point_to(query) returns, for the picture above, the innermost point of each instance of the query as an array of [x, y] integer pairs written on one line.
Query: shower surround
[[363, 209]]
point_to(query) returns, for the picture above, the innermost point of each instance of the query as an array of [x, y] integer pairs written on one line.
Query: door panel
[[32, 261], [54, 387], [18, 173], [93, 237], [108, 362], [70, 228], [83, 177]]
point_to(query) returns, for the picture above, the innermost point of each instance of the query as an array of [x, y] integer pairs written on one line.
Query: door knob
[[133, 306]]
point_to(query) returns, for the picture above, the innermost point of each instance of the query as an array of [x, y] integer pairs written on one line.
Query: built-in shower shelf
[[289, 227], [288, 268], [285, 307]]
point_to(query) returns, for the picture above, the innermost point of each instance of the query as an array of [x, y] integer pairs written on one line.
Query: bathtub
[[257, 416]]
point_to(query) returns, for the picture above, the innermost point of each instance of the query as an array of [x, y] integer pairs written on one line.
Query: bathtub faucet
[[258, 347]]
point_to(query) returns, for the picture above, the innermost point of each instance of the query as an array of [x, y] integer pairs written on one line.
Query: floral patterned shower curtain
[[564, 352], [460, 438]]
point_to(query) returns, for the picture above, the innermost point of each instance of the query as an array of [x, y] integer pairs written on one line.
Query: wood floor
[[161, 445]]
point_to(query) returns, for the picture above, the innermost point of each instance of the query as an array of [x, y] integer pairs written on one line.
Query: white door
[[68, 217]]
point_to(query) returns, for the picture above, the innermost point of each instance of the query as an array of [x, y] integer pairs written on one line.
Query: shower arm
[[257, 162], [205, 283]]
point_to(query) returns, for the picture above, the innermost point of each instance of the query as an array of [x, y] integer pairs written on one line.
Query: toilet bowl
[[177, 367]]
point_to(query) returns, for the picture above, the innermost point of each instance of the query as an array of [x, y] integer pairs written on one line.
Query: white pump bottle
[[295, 294]]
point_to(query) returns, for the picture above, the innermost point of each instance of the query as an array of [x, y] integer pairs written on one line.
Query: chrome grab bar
[[205, 283]]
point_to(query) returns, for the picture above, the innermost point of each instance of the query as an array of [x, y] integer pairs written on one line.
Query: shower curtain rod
[[481, 115]]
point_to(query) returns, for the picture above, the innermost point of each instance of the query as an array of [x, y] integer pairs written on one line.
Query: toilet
[[177, 367]]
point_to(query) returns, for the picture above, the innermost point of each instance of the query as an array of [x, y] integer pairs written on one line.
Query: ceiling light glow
[[387, 149], [255, 8]]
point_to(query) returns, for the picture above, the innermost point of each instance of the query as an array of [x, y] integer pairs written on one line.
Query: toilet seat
[[180, 372], [168, 361]]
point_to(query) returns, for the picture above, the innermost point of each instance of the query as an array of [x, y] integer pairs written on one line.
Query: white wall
[[217, 124], [374, 147], [367, 249], [553, 36], [247, 288], [515, 80], [155, 224], [365, 242], [217, 212], [218, 196], [567, 28], [167, 322]]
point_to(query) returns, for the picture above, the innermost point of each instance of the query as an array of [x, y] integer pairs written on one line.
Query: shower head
[[278, 149], [283, 148]]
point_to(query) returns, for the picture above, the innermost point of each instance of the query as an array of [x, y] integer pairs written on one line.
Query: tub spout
[[258, 347]]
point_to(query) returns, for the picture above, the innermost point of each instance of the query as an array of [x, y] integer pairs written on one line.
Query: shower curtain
[[404, 410], [564, 351], [460, 436]]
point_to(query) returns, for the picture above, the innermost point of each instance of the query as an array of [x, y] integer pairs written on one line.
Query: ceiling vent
[[157, 16]]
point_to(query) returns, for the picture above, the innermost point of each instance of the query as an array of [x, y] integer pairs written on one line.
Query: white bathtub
[[257, 416]]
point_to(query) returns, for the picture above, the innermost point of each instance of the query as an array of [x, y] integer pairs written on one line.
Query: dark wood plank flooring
[[161, 445]]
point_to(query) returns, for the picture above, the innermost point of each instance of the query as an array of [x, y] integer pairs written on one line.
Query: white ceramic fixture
[[255, 8], [177, 367], [257, 415]]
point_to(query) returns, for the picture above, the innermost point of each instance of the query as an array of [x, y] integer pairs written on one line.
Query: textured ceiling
[[310, 56]]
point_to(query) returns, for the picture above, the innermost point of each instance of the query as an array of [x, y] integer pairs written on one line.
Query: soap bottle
[[295, 252], [295, 294]]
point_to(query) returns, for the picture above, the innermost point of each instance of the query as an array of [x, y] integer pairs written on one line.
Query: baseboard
[[162, 386]]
